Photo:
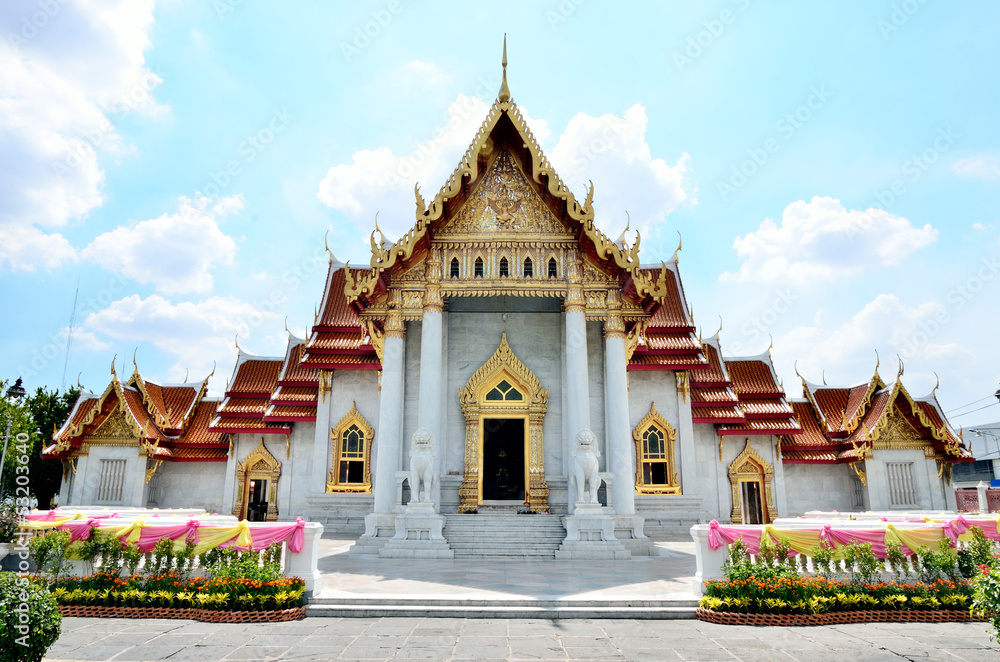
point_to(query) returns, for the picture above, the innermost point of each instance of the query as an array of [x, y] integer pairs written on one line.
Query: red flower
[[984, 568]]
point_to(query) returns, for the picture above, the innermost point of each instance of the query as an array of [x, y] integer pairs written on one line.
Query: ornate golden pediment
[[503, 204], [117, 428]]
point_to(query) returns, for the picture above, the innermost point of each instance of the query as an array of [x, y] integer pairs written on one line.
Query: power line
[[970, 404], [975, 410]]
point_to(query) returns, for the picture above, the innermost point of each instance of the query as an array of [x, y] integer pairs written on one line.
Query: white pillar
[[322, 445], [389, 435], [621, 450], [708, 561], [685, 433], [577, 379], [229, 485], [305, 564], [432, 367]]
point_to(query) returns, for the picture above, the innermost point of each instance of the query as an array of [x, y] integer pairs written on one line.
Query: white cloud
[[380, 180], [885, 324], [175, 252], [427, 73], [194, 333], [64, 80], [610, 150], [26, 248], [822, 240], [85, 340], [983, 166]]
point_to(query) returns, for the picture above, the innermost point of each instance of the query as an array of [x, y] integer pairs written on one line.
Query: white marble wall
[[818, 487], [190, 485], [88, 477]]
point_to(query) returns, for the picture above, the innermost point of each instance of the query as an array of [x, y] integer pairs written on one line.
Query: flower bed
[[835, 618], [169, 591]]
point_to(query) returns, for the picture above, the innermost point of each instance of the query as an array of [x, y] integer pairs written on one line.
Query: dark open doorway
[[503, 459], [257, 500]]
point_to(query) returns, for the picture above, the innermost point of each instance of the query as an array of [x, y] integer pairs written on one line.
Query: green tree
[[34, 415]]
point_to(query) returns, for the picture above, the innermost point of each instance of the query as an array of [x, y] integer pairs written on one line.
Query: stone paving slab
[[453, 640]]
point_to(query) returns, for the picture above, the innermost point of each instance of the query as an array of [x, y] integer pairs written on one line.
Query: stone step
[[546, 603], [545, 609]]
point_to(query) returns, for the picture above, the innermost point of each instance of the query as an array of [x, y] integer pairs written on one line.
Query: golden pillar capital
[[614, 326]]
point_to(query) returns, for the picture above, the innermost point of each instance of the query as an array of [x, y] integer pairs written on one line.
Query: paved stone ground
[[482, 640]]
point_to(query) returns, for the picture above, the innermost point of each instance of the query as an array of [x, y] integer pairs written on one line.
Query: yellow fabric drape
[[801, 541], [49, 524], [914, 538]]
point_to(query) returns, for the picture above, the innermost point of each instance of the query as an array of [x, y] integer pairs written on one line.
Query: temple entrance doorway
[[504, 475]]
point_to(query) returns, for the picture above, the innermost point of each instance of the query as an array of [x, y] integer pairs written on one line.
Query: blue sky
[[834, 168]]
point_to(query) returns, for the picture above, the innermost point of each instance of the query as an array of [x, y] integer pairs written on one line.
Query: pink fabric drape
[[263, 537], [150, 535]]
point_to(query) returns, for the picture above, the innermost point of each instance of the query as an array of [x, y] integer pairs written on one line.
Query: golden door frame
[[503, 365], [751, 467], [259, 464]]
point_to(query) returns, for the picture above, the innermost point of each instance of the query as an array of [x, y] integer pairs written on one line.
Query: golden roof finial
[[327, 246], [900, 372], [78, 385], [824, 376], [628, 223], [187, 373], [680, 244], [212, 374], [720, 328], [136, 365], [937, 385], [286, 327], [115, 374], [878, 361], [236, 342], [770, 345], [504, 94]]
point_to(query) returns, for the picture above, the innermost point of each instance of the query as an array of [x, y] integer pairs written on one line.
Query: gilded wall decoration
[[751, 467]]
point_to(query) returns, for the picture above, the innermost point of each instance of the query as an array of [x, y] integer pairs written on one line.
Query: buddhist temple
[[505, 323]]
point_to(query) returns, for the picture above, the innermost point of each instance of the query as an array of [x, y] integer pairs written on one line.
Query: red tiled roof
[[346, 361], [812, 434], [195, 454], [236, 425], [197, 430], [766, 408], [134, 402], [671, 312], [671, 342], [289, 394], [703, 396], [666, 362], [239, 407], [809, 457], [765, 426], [291, 413], [256, 376], [716, 415], [337, 313], [294, 373], [752, 378], [715, 374], [336, 341]]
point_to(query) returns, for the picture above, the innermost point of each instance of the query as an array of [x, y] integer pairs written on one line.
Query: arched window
[[656, 468], [454, 267], [478, 271], [529, 268], [553, 268], [504, 392], [352, 445], [504, 268]]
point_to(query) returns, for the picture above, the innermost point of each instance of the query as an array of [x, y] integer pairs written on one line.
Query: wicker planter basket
[[207, 615], [836, 617]]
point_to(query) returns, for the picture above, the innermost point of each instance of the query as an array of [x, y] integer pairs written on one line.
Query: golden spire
[[504, 94]]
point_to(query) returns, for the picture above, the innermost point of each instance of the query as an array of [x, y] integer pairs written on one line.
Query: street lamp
[[14, 395]]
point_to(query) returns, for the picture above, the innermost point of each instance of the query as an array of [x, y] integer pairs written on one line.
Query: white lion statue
[[586, 478], [422, 476]]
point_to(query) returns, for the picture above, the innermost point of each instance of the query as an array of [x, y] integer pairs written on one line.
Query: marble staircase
[[496, 533]]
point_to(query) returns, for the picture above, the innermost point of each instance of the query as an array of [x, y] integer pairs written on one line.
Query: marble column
[[389, 435], [577, 380], [322, 444], [685, 433], [621, 449], [431, 366]]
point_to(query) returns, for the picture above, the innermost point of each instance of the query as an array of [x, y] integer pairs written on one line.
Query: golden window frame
[[653, 420], [749, 466], [352, 417]]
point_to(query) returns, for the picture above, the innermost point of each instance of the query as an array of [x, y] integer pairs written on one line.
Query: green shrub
[[9, 521], [862, 565], [942, 564], [29, 619], [264, 566], [49, 552]]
